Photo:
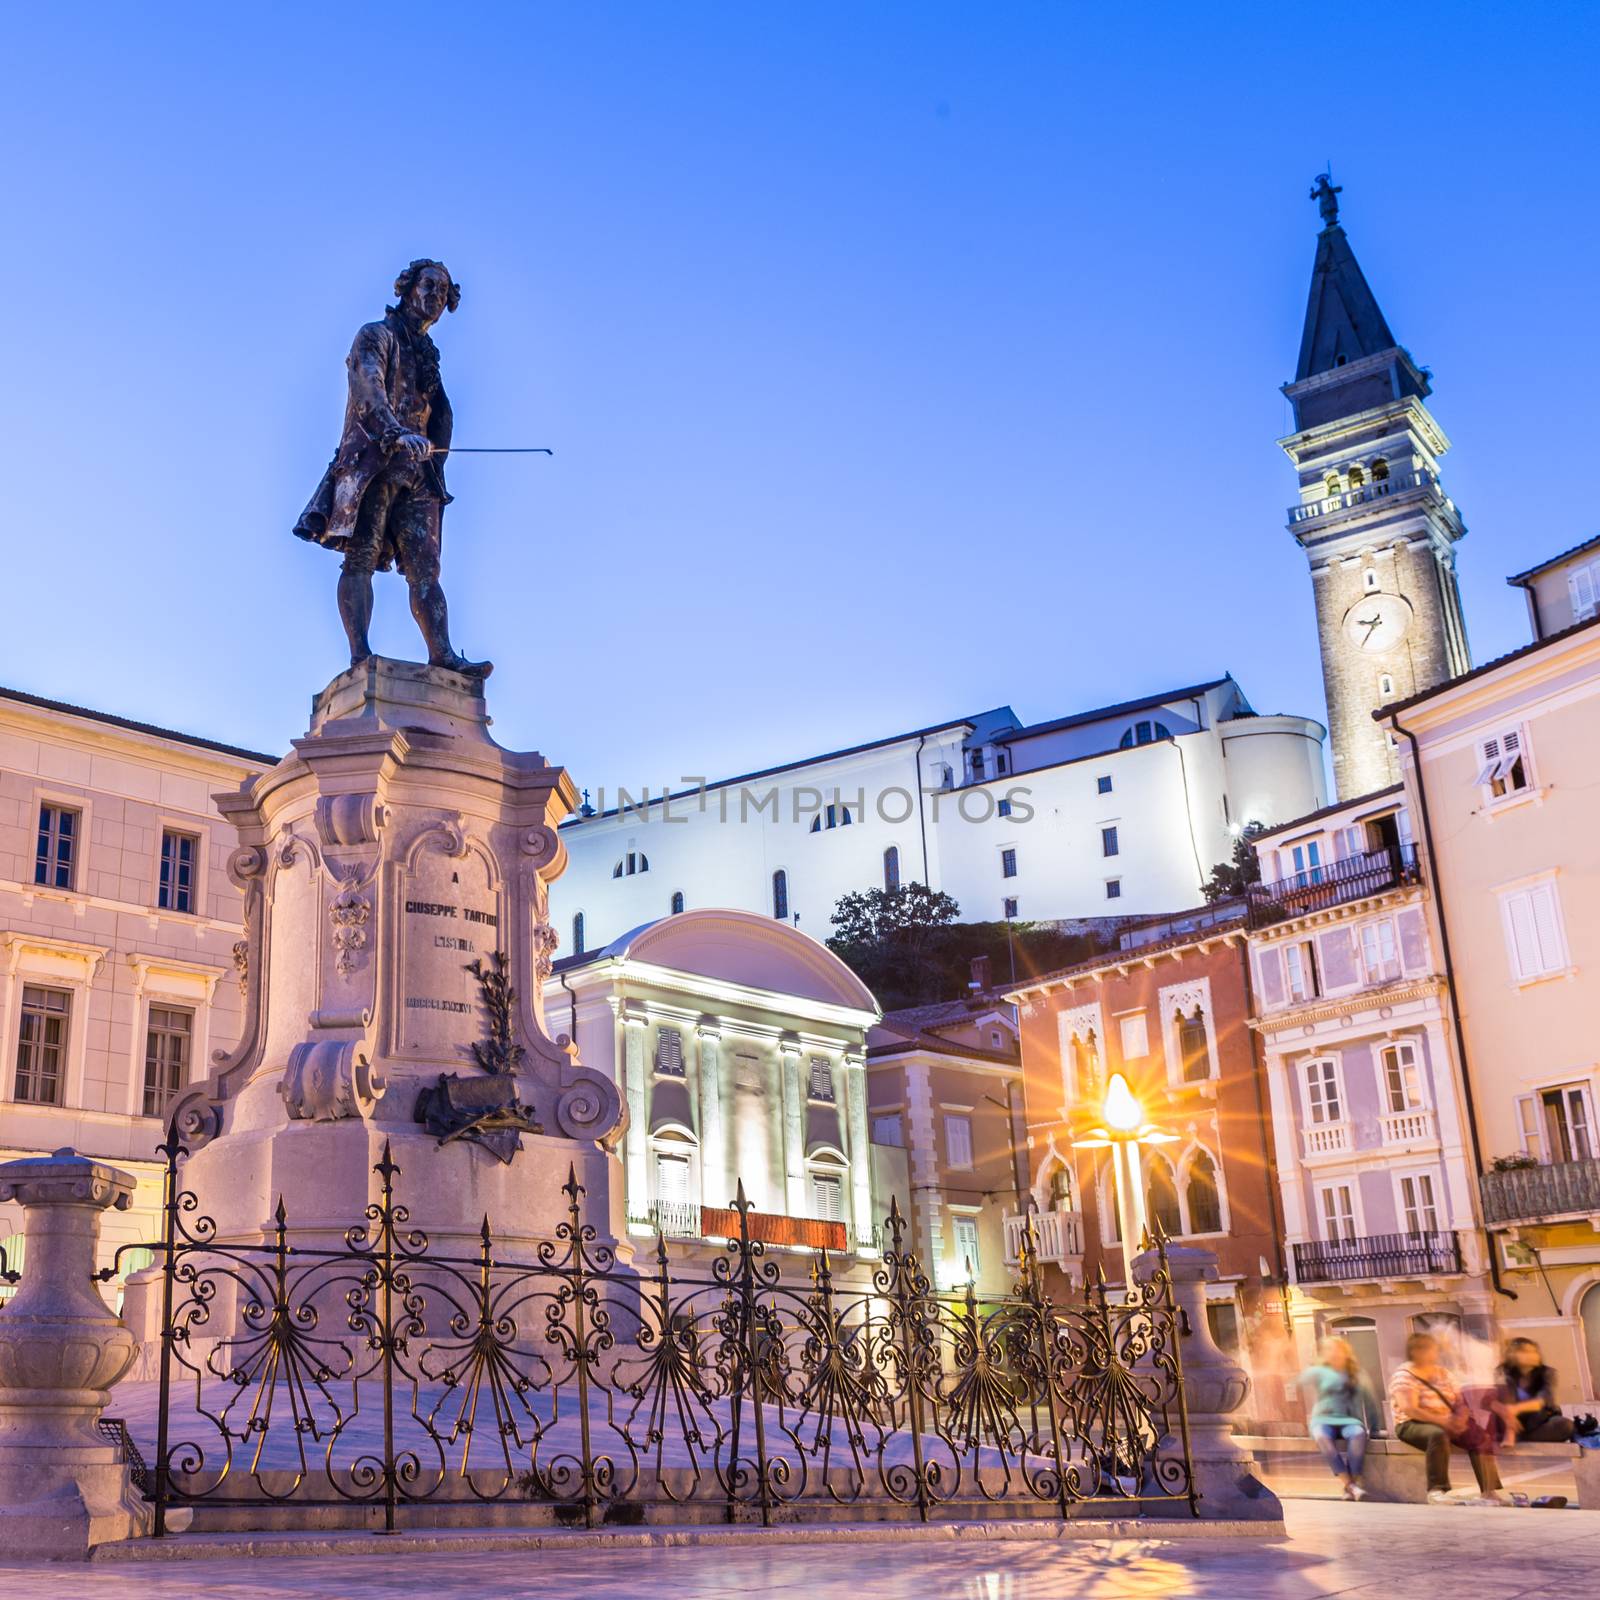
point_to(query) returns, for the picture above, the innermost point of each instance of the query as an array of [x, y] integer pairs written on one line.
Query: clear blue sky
[[899, 360]]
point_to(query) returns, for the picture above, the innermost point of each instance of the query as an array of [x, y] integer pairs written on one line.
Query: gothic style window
[[166, 1057], [1084, 1053], [56, 858], [176, 889], [1192, 1048], [1161, 1197], [1205, 1205], [42, 1045], [577, 934], [780, 895], [1061, 1195], [676, 903], [891, 868]]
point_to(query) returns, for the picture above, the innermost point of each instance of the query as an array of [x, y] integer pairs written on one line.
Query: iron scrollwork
[[393, 1376]]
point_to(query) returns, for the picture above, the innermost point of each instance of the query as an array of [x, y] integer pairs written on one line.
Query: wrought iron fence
[[380, 1372]]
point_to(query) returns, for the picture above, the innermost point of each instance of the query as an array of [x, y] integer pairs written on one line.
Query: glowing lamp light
[[1122, 1112]]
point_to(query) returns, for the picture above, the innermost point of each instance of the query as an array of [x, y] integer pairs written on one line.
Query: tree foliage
[[906, 945], [1233, 877]]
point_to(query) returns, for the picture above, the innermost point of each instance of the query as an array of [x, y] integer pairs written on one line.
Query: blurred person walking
[[1344, 1412]]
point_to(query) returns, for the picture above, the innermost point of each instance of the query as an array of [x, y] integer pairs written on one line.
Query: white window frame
[[1533, 1101], [879, 1118], [1312, 986], [835, 1179], [1333, 1060], [1583, 586], [1555, 962], [1385, 968], [1401, 1044], [1497, 754], [1435, 1178], [1125, 1019], [962, 1115], [1184, 997], [960, 1271], [1078, 1023], [1358, 1221]]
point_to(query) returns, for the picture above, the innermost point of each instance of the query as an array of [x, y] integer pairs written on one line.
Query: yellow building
[[1502, 770]]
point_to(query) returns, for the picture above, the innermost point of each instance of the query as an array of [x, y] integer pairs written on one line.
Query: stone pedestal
[[63, 1488], [396, 869], [1215, 1388]]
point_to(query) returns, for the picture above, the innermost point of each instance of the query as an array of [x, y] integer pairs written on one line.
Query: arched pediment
[[743, 948]]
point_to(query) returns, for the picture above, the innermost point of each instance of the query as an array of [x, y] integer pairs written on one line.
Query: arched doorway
[[1589, 1318], [1362, 1334]]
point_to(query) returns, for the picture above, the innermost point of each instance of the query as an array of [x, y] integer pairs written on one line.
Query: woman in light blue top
[[1344, 1411]]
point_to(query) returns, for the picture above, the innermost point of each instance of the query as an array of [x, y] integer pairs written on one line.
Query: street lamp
[[1123, 1129]]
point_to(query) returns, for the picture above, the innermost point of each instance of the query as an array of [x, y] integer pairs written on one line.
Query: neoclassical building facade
[[739, 1044], [118, 935]]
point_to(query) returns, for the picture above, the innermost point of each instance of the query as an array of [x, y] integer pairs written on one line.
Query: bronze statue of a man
[[381, 502]]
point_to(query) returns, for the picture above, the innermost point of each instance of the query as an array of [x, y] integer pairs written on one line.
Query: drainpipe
[[922, 821], [1455, 1002], [572, 1024]]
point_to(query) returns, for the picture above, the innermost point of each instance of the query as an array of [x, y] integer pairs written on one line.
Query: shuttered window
[[827, 1197], [1535, 944], [1503, 763], [1584, 586]]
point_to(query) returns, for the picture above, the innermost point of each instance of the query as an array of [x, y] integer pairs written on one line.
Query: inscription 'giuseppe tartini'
[[431, 908]]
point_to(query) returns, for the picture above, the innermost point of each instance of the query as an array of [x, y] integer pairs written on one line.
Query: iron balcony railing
[[1318, 888], [1535, 1194], [1377, 1255]]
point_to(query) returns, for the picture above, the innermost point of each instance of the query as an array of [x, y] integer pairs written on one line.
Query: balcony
[[1326, 1139], [1396, 483], [1541, 1194], [1318, 888], [1057, 1236], [1377, 1255], [677, 1219], [1408, 1128]]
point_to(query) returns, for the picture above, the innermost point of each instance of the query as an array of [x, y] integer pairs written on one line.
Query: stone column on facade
[[855, 1081], [1215, 1389], [63, 1489], [715, 1189], [636, 1089], [794, 1128]]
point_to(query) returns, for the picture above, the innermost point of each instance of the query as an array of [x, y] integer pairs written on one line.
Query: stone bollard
[[63, 1488], [1215, 1386]]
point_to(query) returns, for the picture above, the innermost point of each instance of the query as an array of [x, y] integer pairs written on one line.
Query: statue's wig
[[403, 284]]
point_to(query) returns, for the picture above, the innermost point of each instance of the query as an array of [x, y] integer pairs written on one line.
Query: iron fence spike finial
[[280, 1216], [483, 1232]]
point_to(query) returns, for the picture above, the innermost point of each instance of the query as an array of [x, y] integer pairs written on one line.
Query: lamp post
[[1123, 1129]]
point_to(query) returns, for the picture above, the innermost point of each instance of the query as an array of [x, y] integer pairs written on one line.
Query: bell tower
[[1373, 519]]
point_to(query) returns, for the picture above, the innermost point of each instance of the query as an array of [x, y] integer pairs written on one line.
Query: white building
[[117, 931], [1119, 811]]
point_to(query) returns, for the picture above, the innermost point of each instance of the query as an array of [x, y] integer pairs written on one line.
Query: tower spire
[[1343, 322]]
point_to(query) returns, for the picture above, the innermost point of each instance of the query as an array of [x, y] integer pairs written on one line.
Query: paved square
[[1373, 1551]]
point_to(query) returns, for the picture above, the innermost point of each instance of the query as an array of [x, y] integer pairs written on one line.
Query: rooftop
[[21, 697], [1110, 960], [1385, 712], [1520, 579], [1297, 823], [1121, 708]]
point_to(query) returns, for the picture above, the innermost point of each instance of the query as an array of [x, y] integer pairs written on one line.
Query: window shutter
[[1547, 927], [1521, 935], [1581, 582], [1528, 1124]]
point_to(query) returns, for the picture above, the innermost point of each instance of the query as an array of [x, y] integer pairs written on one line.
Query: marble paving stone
[[1334, 1552]]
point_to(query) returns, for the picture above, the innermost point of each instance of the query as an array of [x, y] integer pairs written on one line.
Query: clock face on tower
[[1377, 622]]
